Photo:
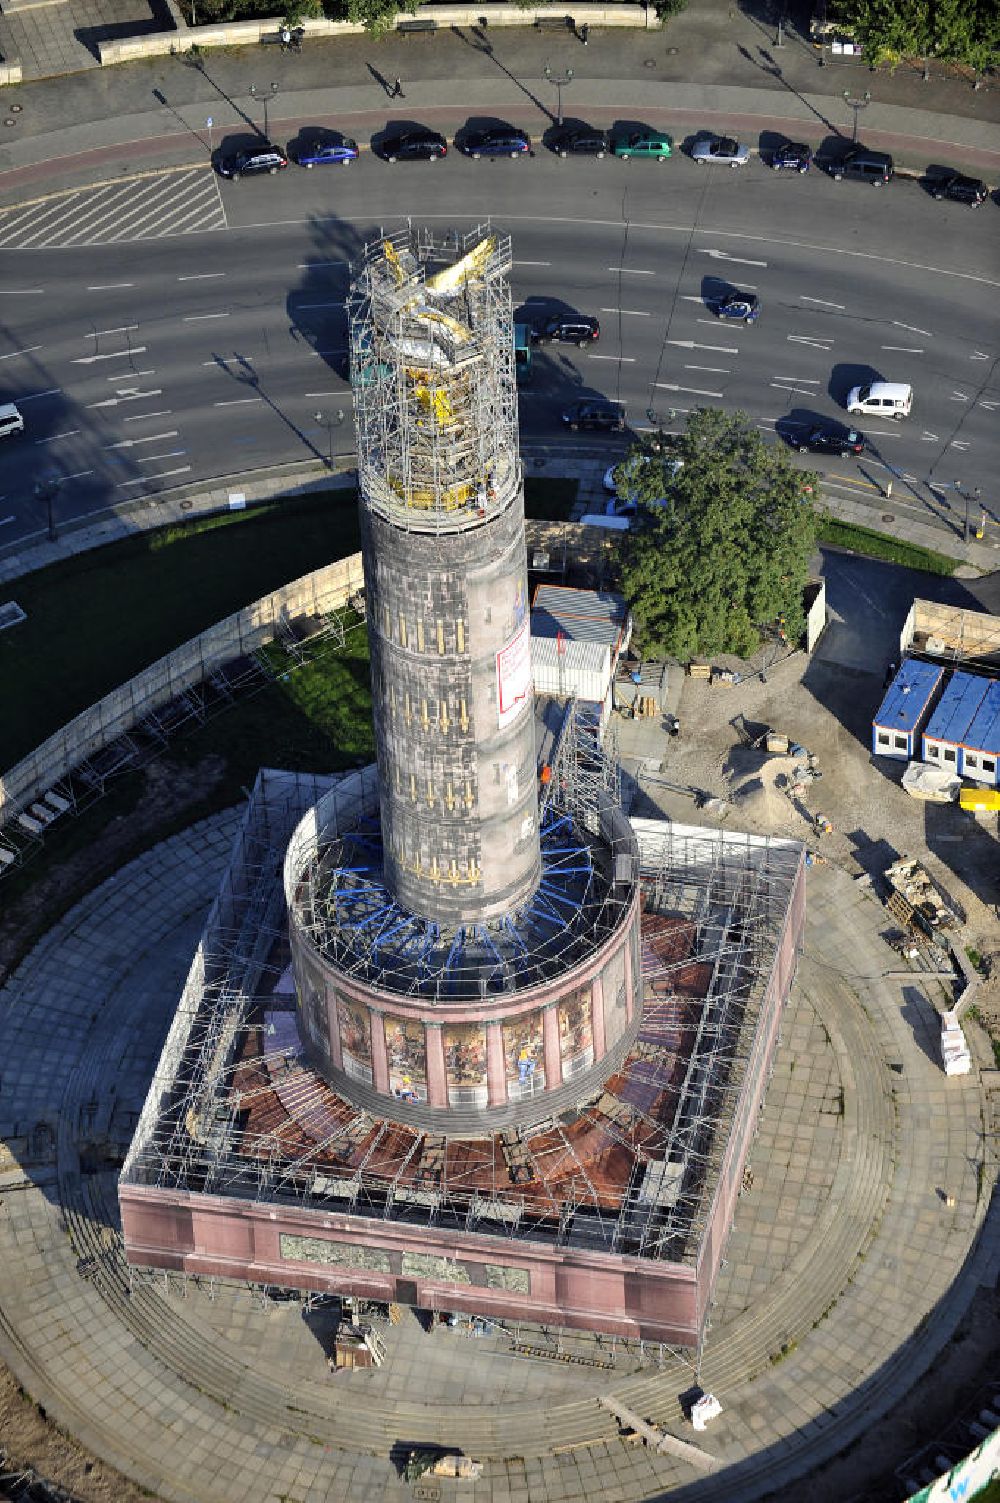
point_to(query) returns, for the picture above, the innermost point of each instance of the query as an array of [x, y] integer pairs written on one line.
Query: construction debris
[[922, 903], [954, 1049]]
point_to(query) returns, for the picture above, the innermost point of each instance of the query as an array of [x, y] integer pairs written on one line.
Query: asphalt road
[[205, 341]]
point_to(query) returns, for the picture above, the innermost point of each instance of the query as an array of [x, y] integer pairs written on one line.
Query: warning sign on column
[[514, 675]]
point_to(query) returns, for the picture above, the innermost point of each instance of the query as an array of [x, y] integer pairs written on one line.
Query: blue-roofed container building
[[901, 716], [982, 740], [944, 737]]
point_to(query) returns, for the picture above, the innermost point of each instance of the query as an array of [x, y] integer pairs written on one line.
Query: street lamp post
[[560, 80], [331, 423], [266, 96], [46, 490], [857, 105], [966, 498]]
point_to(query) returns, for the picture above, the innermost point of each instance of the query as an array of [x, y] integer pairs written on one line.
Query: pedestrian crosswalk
[[140, 208]]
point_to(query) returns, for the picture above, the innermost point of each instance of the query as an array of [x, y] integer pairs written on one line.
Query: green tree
[[719, 548], [377, 16]]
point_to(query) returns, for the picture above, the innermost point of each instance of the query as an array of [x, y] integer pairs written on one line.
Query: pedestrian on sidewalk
[[397, 90]]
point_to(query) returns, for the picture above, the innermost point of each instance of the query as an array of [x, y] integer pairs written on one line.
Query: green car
[[641, 143]]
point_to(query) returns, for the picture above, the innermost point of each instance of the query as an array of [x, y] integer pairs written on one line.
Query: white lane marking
[[124, 375], [202, 276], [125, 396], [339, 395], [130, 443], [145, 479], [14, 353], [36, 396], [516, 263], [5, 521], [309, 265], [694, 390], [625, 359], [144, 417], [630, 271], [78, 476], [140, 349], [979, 356], [691, 297], [21, 291], [690, 344], [109, 286], [821, 302], [70, 433], [154, 458], [193, 318], [304, 307], [957, 443], [911, 328], [718, 255], [119, 329], [713, 323], [806, 380], [958, 396], [902, 349], [990, 406], [625, 312], [929, 438], [801, 391], [236, 402], [822, 343], [718, 370]]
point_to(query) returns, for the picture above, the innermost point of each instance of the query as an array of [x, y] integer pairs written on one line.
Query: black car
[[496, 141], [596, 415], [413, 146], [573, 328], [264, 158], [793, 155], [964, 190], [580, 141], [828, 438]]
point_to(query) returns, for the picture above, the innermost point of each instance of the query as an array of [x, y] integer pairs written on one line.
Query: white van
[[11, 420], [881, 399]]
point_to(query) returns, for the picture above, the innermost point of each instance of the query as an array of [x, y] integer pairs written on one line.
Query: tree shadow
[[478, 40], [765, 61]]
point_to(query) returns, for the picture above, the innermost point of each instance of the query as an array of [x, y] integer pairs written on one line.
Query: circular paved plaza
[[846, 1272]]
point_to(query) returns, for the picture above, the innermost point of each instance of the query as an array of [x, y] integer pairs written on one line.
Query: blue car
[[794, 156], [319, 153], [740, 307]]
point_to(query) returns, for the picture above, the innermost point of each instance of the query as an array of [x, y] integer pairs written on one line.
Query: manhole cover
[[16, 109], [672, 51], [888, 516], [9, 121], [186, 505], [650, 62]]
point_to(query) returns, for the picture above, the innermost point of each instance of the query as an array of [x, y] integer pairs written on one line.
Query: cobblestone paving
[[844, 1273]]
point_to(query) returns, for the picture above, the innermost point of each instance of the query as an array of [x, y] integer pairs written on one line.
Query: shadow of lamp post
[[266, 96], [331, 421], [560, 80]]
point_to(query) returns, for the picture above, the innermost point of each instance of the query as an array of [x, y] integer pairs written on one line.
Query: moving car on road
[[417, 145], [255, 159], [641, 143], [739, 307], [496, 141], [828, 438], [595, 415], [11, 420], [964, 190], [579, 141], [316, 152], [568, 328], [882, 399], [794, 156], [723, 149]]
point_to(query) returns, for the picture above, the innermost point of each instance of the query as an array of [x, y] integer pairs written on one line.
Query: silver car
[[724, 149]]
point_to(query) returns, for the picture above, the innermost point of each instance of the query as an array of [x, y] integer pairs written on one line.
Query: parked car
[[723, 149], [595, 415], [869, 166], [254, 159], [496, 141], [571, 328], [964, 190], [793, 155], [641, 143], [740, 307], [417, 145], [828, 438], [579, 140], [316, 152]]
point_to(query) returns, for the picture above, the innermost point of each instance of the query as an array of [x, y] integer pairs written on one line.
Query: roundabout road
[[175, 328]]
